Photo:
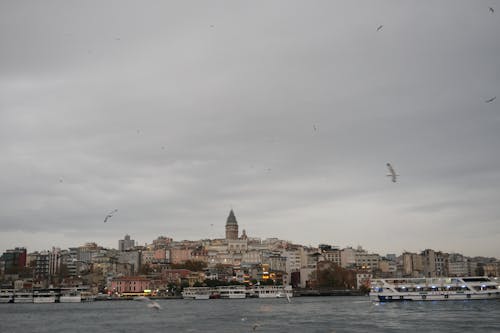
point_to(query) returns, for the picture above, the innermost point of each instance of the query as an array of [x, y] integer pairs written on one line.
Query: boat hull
[[444, 297], [434, 289], [43, 300], [70, 299]]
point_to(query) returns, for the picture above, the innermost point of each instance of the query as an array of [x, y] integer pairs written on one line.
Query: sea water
[[303, 314]]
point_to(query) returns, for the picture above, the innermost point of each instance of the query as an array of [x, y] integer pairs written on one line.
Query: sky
[[176, 112]]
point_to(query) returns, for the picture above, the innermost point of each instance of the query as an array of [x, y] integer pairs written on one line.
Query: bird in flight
[[392, 173], [492, 10], [490, 99], [151, 304], [110, 214], [315, 128], [380, 27]]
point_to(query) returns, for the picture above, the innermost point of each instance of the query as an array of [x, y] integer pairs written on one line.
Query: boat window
[[479, 279]]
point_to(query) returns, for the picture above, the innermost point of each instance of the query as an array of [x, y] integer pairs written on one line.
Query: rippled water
[[303, 314]]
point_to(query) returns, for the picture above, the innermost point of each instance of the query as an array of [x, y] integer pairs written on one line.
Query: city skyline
[[288, 113]]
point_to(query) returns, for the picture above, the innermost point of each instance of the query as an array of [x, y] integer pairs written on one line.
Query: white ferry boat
[[434, 289], [44, 297], [273, 291], [6, 296], [232, 292], [70, 296], [23, 297], [197, 293]]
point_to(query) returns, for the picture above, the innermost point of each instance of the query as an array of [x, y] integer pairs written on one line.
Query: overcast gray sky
[[174, 112]]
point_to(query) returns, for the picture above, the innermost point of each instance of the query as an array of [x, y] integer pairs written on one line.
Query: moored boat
[[273, 291], [232, 292], [197, 293], [434, 289], [6, 296], [23, 297], [44, 297], [70, 296]]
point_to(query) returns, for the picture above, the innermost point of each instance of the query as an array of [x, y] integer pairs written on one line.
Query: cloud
[[174, 113]]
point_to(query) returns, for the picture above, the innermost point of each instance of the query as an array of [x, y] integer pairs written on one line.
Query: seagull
[[110, 214], [492, 10], [154, 305], [151, 304], [380, 27], [315, 128], [255, 326], [391, 173], [491, 99]]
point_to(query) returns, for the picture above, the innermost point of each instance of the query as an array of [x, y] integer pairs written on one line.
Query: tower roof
[[231, 219]]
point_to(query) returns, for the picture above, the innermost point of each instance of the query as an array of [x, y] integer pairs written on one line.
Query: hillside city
[[166, 266]]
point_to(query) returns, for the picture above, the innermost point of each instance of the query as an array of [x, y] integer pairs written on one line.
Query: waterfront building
[[130, 284], [435, 263], [365, 260], [41, 266], [492, 269], [13, 261], [274, 261], [55, 257], [348, 257], [363, 279], [292, 261], [231, 226], [332, 255], [412, 265]]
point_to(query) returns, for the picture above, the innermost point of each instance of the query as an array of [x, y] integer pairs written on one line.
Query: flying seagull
[[315, 128], [151, 304], [391, 173], [380, 27], [492, 10], [490, 100], [110, 214]]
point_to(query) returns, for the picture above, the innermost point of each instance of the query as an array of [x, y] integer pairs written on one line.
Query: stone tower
[[231, 226]]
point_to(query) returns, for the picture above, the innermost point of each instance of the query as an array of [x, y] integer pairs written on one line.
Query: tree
[[331, 275], [192, 265]]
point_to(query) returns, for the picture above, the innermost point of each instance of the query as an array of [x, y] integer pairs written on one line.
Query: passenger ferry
[[44, 297], [232, 292], [273, 291], [70, 296], [434, 289], [6, 296], [23, 297], [197, 293]]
